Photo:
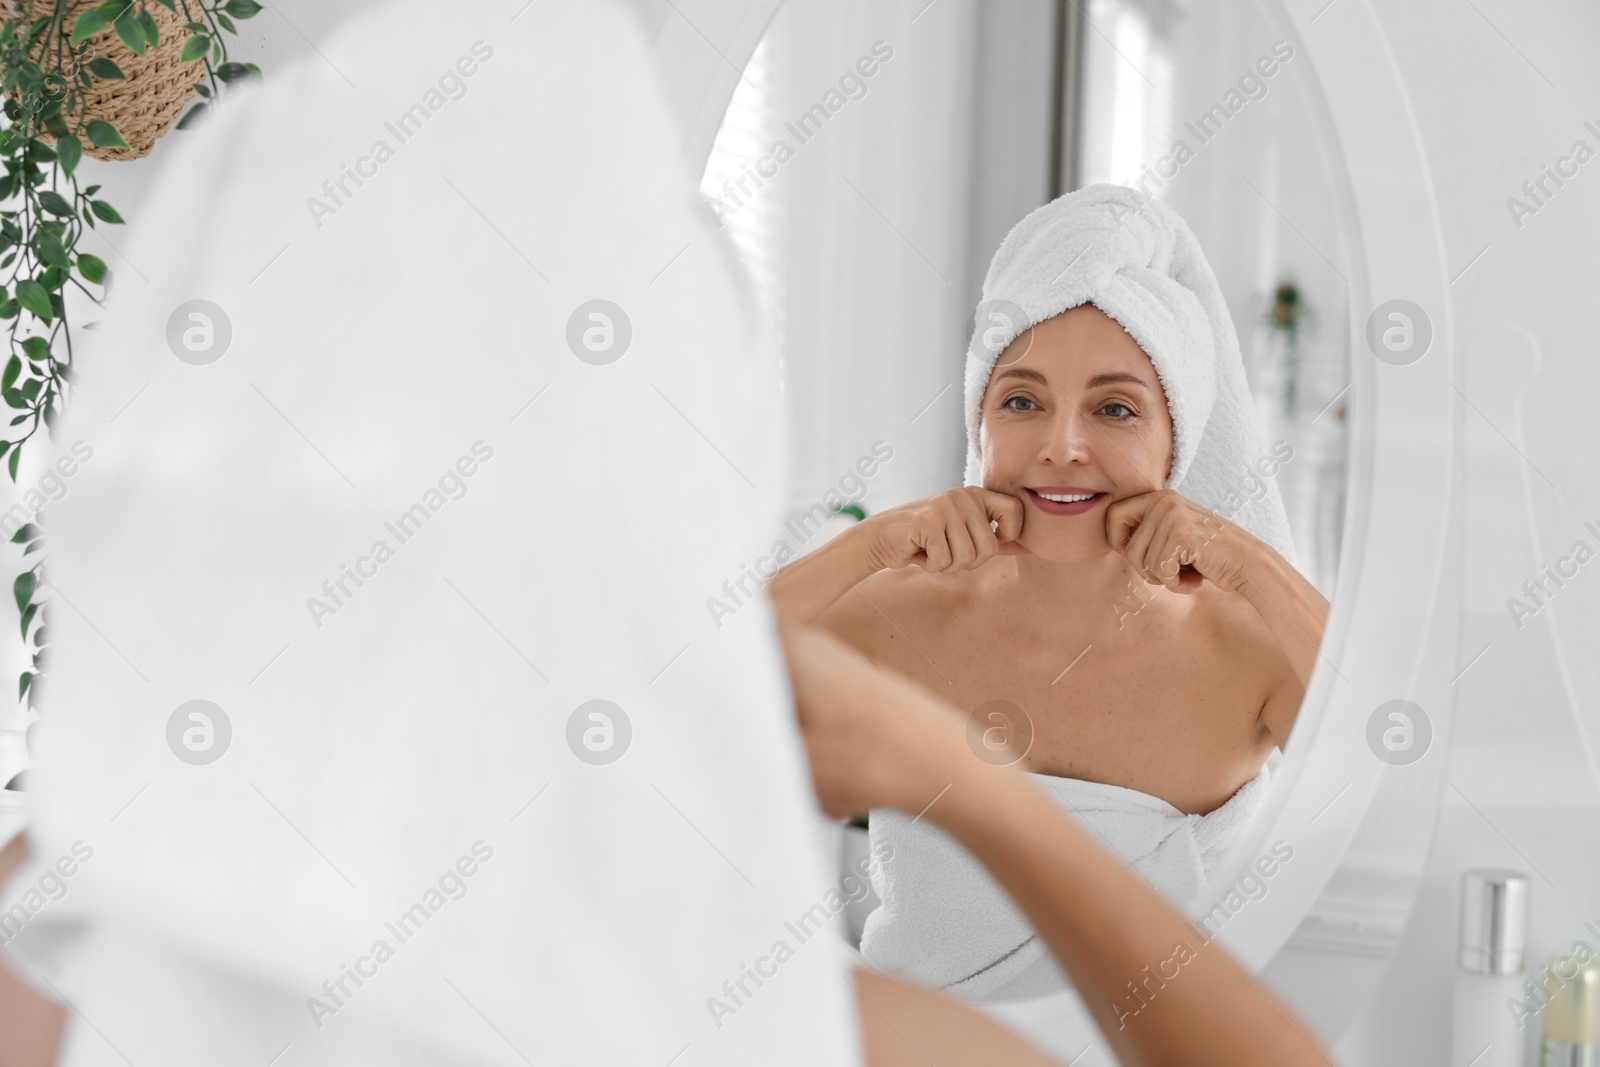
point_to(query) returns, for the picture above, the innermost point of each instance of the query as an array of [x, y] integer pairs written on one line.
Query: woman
[[1117, 631], [877, 741]]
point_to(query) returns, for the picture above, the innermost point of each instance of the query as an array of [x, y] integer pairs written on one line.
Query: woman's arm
[[30, 1024], [1289, 604], [1296, 614], [946, 533], [810, 585], [876, 739]]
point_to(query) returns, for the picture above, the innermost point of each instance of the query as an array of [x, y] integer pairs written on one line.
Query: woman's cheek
[[1152, 448]]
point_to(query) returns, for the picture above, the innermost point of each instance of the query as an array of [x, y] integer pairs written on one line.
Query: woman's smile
[[1068, 500]]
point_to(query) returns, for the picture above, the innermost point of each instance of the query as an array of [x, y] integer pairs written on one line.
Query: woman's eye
[[1124, 407], [1024, 399]]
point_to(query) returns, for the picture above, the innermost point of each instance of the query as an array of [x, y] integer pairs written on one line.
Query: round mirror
[[867, 163]]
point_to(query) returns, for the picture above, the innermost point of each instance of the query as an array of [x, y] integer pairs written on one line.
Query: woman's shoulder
[[1240, 637]]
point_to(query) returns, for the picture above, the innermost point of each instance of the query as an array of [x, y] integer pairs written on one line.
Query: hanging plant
[[105, 80]]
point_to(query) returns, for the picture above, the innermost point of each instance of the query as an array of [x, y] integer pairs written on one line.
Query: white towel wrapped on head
[[944, 922]]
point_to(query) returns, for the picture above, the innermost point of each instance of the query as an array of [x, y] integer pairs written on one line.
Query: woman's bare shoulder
[[1242, 638]]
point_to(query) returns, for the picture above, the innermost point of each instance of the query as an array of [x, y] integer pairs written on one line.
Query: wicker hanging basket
[[158, 87]]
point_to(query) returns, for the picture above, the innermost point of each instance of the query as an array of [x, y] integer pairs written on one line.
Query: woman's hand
[[949, 532], [874, 739], [1173, 541]]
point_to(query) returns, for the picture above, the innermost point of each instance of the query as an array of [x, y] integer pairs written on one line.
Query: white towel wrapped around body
[[946, 923]]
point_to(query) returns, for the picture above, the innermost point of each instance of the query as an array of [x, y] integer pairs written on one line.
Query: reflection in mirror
[[1138, 373]]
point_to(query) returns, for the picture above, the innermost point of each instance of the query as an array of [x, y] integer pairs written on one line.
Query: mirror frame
[[1393, 622], [1394, 617]]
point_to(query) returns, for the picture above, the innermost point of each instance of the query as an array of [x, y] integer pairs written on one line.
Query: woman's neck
[[1098, 596]]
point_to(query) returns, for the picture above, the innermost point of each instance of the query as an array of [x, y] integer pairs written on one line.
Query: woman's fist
[[1173, 541], [947, 533]]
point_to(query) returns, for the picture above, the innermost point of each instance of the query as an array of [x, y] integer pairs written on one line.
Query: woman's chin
[[1053, 550]]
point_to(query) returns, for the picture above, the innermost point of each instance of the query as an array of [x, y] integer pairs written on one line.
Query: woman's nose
[[1070, 437]]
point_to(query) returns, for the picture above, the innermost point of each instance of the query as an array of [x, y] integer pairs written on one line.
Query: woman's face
[[1073, 407]]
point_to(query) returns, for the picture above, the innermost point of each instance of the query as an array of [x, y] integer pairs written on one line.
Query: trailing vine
[[46, 73]]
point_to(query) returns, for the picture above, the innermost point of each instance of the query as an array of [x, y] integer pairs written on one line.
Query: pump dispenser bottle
[[1490, 962]]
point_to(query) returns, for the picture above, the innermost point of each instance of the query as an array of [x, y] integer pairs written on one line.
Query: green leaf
[[170, 5], [32, 295], [92, 267], [27, 533], [13, 368], [9, 308], [226, 23], [230, 72], [87, 25], [36, 349], [14, 398], [27, 617], [56, 204], [106, 70], [104, 135], [104, 211], [69, 151], [197, 27], [190, 116], [13, 461], [131, 30], [22, 684], [30, 388], [242, 9], [36, 546], [22, 588], [51, 250], [194, 48], [114, 9], [152, 32]]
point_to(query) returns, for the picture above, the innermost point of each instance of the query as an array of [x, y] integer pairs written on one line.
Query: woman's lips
[[1051, 507]]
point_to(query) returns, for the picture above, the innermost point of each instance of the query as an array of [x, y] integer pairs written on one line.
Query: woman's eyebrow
[[1119, 376], [1093, 383]]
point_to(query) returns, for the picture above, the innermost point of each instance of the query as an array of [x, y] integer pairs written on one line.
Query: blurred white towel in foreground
[[406, 367], [944, 921]]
